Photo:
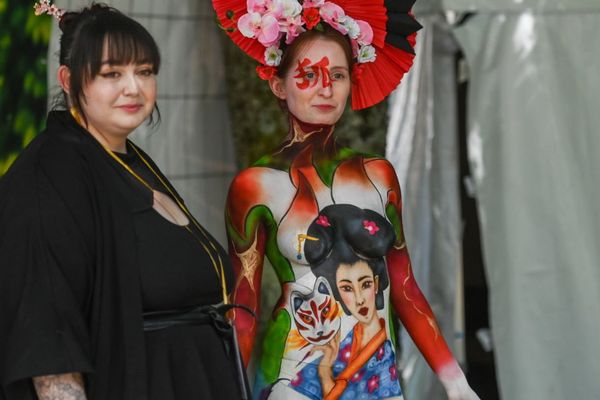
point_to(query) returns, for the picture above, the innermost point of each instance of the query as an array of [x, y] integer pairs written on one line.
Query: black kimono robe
[[69, 280]]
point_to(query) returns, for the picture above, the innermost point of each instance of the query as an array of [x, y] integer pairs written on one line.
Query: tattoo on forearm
[[60, 387]]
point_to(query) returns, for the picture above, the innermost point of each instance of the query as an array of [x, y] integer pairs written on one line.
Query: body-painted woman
[[328, 218]]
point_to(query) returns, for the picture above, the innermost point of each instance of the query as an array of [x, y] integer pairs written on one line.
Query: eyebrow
[[362, 278]]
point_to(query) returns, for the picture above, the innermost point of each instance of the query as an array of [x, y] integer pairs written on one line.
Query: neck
[[306, 133], [370, 330], [113, 143]]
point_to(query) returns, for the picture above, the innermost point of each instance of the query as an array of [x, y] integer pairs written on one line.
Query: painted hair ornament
[[301, 238], [44, 7], [370, 226], [323, 221], [382, 34]]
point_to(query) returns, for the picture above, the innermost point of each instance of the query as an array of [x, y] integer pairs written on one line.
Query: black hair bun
[[71, 19], [354, 232]]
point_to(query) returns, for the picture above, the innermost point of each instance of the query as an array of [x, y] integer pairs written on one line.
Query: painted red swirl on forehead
[[320, 69]]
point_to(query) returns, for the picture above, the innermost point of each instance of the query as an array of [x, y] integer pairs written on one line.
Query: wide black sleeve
[[46, 265]]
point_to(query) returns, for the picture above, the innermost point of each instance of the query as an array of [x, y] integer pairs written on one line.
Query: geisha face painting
[[357, 288]]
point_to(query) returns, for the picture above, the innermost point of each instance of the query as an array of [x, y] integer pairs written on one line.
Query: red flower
[[373, 383], [311, 17], [323, 221], [380, 353], [370, 226], [346, 353], [266, 72], [393, 372]]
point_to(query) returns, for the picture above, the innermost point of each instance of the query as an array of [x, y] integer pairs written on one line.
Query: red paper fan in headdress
[[394, 36]]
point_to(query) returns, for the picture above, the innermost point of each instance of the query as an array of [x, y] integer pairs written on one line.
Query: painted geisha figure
[[347, 251], [328, 218]]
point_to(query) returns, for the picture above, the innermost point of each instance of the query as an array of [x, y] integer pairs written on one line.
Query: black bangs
[[125, 48], [126, 40]]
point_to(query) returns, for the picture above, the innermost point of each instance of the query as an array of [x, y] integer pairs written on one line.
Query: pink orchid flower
[[366, 33], [265, 28], [370, 226], [257, 6], [292, 27], [334, 15]]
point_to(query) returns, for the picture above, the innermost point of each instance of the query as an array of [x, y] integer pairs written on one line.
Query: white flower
[[291, 8], [273, 56], [352, 26], [366, 54]]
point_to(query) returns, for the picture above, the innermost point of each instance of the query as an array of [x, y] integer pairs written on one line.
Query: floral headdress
[[44, 7], [268, 21], [382, 34]]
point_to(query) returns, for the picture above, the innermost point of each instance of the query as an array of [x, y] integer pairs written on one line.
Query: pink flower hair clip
[[370, 226], [323, 221], [44, 7]]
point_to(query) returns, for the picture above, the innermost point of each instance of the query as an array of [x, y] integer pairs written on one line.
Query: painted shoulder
[[258, 188]]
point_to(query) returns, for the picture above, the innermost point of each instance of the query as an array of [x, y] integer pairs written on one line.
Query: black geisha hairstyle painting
[[347, 234]]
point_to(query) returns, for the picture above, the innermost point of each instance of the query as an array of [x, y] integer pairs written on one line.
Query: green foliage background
[[23, 46], [259, 125]]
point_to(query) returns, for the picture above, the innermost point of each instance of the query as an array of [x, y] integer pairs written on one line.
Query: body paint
[[320, 69]]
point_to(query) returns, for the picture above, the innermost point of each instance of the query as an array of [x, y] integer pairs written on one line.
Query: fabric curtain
[[422, 144], [534, 149], [193, 144]]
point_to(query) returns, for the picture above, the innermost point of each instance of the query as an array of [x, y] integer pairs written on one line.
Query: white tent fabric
[[534, 147], [534, 152], [422, 144], [193, 143], [508, 6]]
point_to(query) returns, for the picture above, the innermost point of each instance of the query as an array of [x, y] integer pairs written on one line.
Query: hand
[[458, 389], [330, 352]]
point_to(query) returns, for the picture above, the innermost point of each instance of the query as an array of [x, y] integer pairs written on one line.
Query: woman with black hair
[[109, 288], [348, 247]]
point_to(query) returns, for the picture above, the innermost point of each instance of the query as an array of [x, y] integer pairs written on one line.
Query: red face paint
[[319, 69]]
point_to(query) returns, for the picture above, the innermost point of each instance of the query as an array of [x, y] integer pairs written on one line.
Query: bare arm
[[60, 387], [247, 238]]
